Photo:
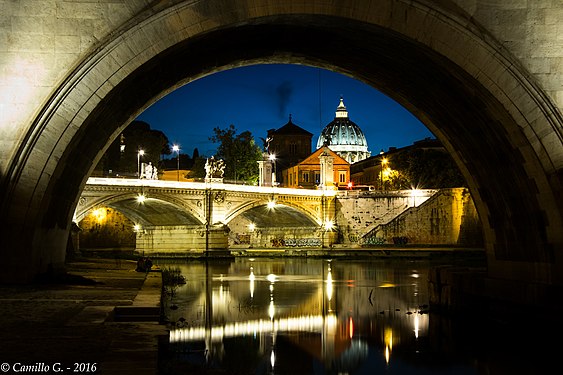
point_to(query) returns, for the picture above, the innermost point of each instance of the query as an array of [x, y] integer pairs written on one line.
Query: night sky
[[261, 97]]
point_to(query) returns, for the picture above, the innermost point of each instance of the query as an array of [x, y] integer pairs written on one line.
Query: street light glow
[[271, 204], [99, 214], [384, 170], [416, 193]]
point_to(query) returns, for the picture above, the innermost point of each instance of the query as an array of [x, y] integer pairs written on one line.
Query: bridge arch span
[[192, 209], [87, 204], [279, 214], [156, 208], [498, 120]]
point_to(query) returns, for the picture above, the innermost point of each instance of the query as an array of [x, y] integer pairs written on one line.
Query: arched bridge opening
[[154, 212], [116, 221], [151, 210], [273, 225], [491, 114]]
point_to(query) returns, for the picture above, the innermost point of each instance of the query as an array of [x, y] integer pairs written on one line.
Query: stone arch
[[245, 207], [91, 204], [184, 206], [175, 208], [501, 128]]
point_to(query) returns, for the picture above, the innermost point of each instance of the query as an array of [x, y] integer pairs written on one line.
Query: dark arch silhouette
[[515, 190]]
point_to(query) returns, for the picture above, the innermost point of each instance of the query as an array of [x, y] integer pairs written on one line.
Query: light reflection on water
[[314, 316], [297, 315]]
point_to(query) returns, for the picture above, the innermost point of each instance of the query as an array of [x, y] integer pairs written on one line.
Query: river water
[[319, 316]]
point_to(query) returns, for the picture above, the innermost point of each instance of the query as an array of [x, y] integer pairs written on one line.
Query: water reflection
[[296, 315]]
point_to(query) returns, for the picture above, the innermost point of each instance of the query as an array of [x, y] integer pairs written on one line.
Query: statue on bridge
[[150, 172], [267, 142], [214, 170]]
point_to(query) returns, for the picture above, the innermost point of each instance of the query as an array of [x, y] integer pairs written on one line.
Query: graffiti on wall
[[296, 242]]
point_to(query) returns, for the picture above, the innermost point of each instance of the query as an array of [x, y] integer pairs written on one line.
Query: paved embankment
[[410, 251], [68, 322]]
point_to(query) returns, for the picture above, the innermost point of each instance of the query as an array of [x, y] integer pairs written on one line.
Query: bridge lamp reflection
[[388, 339], [272, 359], [271, 309], [271, 204], [141, 198], [329, 286], [251, 278]]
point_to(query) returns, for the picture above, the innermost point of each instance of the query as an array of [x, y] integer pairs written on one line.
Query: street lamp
[[383, 164], [139, 154], [176, 149]]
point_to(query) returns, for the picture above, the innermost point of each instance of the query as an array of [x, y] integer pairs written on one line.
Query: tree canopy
[[429, 169], [240, 153]]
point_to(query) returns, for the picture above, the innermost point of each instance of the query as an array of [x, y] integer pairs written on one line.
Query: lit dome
[[344, 137]]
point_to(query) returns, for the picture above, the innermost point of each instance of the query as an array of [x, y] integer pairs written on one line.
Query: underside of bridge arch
[[279, 217], [154, 212], [514, 192]]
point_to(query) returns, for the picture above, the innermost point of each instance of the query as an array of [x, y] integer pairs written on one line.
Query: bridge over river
[[177, 218]]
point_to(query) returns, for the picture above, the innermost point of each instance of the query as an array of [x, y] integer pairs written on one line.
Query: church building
[[287, 146], [340, 144], [322, 169], [344, 137]]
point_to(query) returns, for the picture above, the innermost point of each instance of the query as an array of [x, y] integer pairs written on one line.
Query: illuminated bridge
[[174, 217]]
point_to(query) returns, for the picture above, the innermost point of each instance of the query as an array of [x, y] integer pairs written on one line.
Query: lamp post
[[176, 149], [139, 154], [383, 164]]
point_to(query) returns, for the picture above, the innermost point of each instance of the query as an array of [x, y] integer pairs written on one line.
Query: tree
[[429, 169], [198, 168], [240, 153]]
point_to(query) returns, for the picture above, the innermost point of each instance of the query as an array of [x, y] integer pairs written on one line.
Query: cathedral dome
[[344, 137]]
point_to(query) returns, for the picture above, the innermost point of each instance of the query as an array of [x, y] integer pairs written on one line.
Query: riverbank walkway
[[70, 323]]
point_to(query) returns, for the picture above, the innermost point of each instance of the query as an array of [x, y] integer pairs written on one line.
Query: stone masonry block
[[88, 10], [67, 43]]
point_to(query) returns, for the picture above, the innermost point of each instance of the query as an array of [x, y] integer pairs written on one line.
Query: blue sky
[[261, 97]]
